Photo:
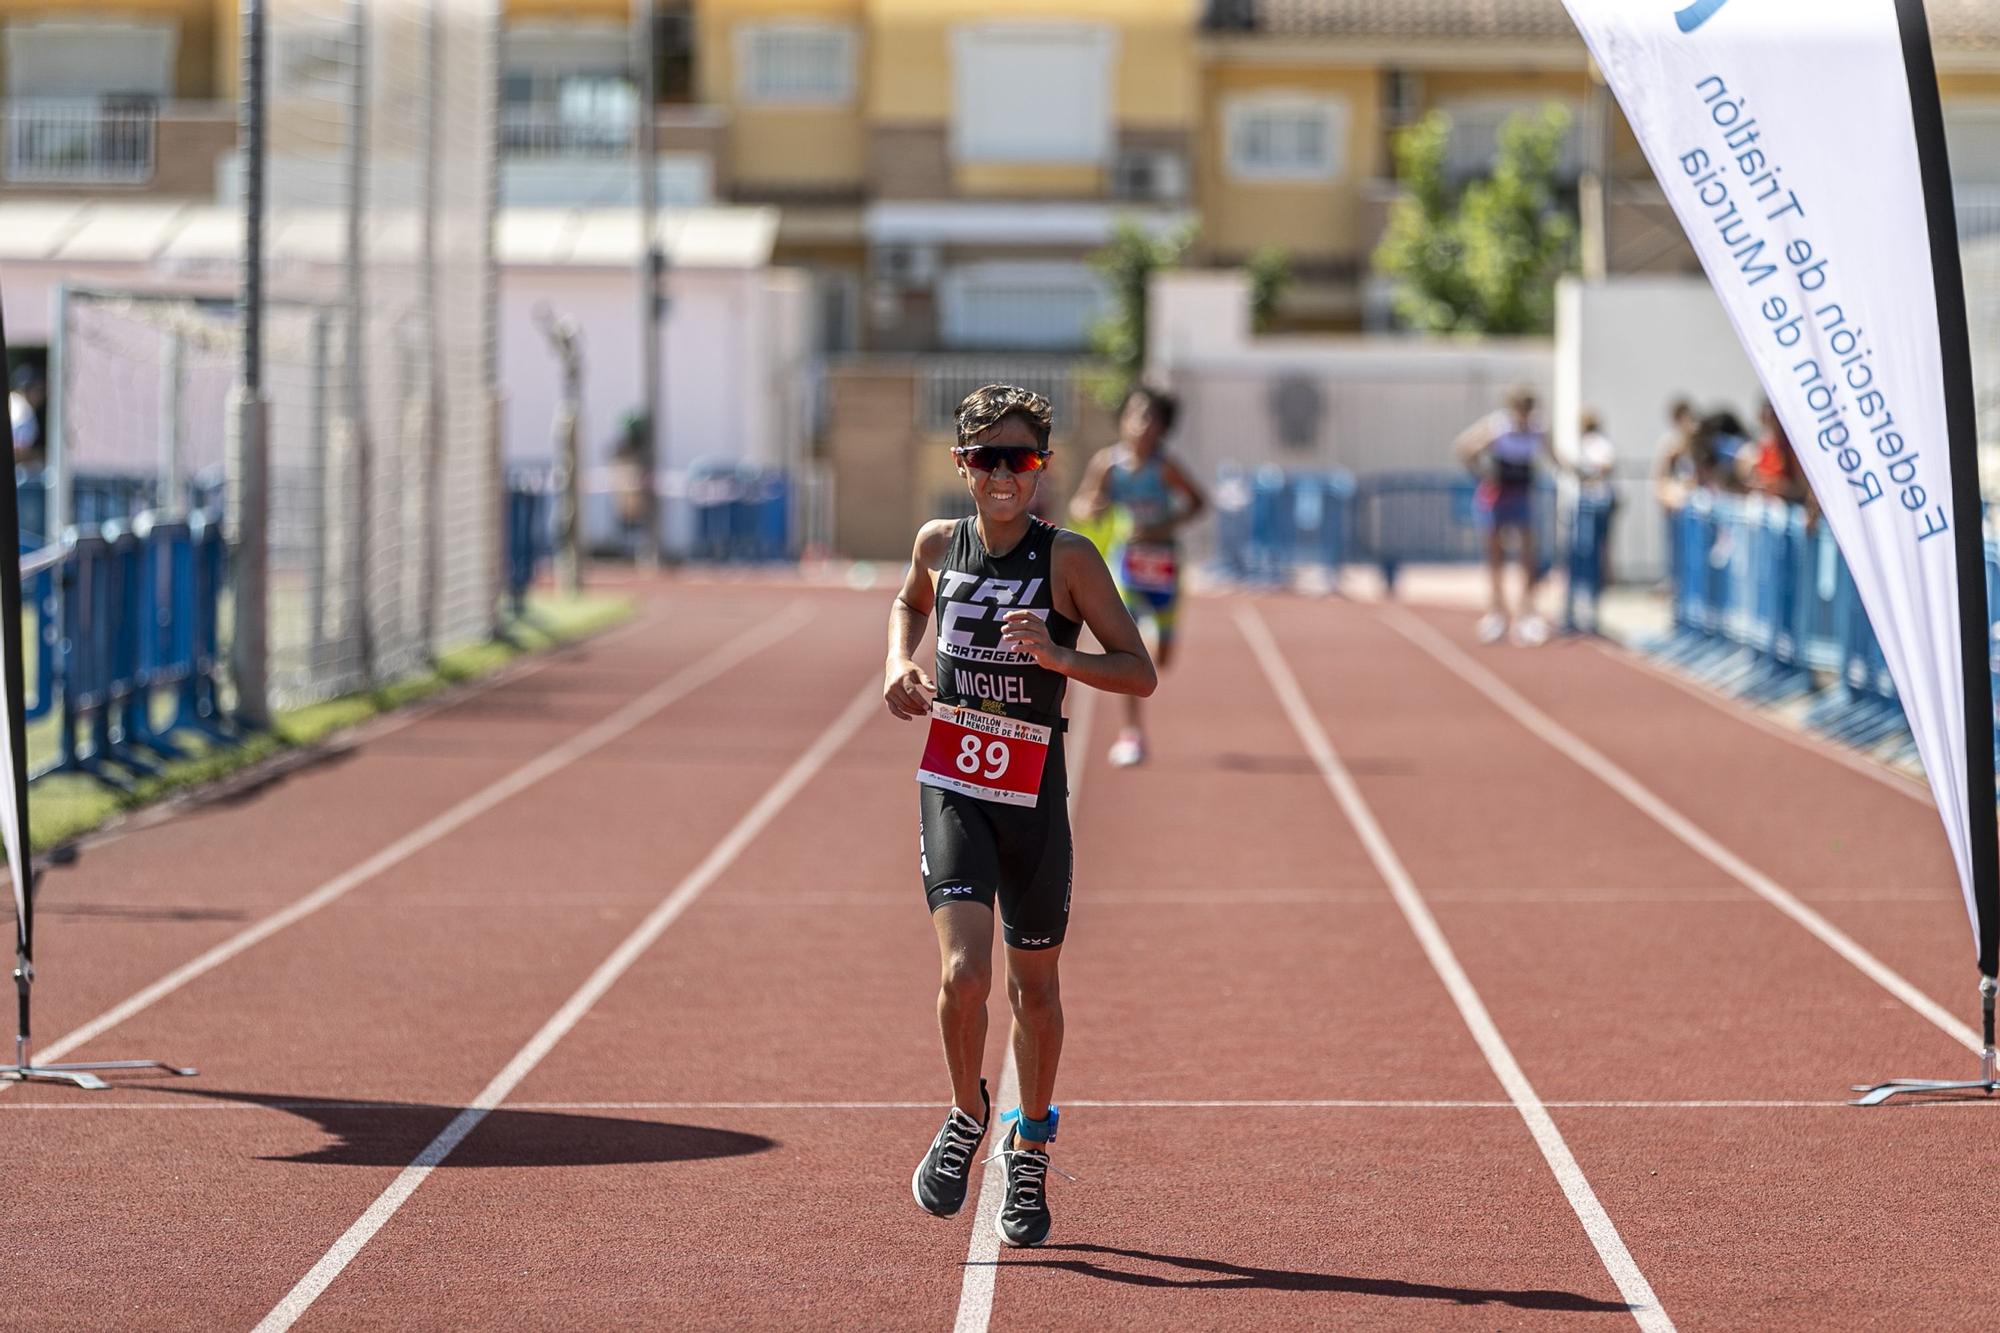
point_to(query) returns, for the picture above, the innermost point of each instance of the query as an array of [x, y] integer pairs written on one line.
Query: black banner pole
[[15, 778], [1968, 540]]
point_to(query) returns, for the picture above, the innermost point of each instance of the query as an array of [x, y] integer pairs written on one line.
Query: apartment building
[[945, 167]]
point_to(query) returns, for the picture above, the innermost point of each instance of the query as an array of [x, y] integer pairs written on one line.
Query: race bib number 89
[[984, 755]]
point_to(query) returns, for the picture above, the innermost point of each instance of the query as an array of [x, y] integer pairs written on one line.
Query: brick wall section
[[889, 477], [870, 445]]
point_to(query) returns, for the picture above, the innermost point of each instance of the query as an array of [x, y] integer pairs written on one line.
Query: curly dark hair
[[989, 405]]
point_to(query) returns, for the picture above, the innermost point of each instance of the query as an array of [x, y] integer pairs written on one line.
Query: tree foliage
[[1270, 274], [1484, 259], [1127, 264]]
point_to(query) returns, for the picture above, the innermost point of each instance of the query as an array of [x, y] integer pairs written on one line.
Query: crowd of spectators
[[1716, 454]]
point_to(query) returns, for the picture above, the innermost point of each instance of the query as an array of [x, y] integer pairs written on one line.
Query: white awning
[[986, 222], [98, 232]]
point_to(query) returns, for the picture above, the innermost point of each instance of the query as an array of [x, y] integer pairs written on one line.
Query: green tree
[[1270, 274], [1119, 338], [1484, 259]]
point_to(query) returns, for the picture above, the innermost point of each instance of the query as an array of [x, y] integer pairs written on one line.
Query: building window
[[1015, 305], [1032, 93], [1287, 137], [1475, 133], [795, 64]]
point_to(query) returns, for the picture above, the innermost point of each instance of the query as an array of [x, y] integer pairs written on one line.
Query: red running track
[[650, 909]]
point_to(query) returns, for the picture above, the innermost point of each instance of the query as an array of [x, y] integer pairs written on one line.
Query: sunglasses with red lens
[[1018, 459]]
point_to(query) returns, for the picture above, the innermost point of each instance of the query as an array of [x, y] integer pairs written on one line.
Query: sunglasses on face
[[1018, 459]]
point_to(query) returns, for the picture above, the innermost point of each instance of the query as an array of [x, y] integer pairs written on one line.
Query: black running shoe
[[1024, 1218], [940, 1179]]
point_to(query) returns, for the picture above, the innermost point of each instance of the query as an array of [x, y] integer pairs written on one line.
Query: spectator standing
[[27, 396], [1503, 450]]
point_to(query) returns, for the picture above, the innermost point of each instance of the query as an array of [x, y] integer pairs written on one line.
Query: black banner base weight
[[85, 1075]]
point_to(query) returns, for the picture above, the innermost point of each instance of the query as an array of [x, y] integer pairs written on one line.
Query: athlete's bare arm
[[905, 687], [1475, 440], [1091, 498], [1124, 667], [1183, 485]]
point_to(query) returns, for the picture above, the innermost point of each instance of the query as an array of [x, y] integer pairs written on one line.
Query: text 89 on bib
[[985, 755]]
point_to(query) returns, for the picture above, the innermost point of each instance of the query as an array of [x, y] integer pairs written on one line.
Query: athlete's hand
[[1026, 632], [908, 691]]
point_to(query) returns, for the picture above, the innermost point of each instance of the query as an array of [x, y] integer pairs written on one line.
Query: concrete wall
[[1368, 404], [735, 381], [1625, 349]]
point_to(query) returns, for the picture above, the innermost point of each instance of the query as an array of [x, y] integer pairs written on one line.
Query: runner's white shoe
[[1531, 632], [1492, 627], [1129, 749]]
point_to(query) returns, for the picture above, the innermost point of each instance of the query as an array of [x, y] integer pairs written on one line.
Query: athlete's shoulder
[[934, 540]]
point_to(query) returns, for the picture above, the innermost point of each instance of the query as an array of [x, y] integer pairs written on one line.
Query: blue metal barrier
[[128, 619], [1270, 523], [1764, 606], [741, 513]]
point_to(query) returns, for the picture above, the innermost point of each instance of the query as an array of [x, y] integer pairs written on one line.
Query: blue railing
[[1764, 607], [1272, 524], [741, 514], [127, 625]]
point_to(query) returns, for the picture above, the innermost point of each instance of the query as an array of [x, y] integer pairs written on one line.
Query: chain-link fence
[[383, 490]]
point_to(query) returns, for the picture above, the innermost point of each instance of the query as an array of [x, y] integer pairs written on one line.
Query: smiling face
[[1001, 495]]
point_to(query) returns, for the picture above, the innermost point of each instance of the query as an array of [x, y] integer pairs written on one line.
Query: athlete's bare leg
[[1038, 1025], [965, 950], [1530, 576], [1496, 569]]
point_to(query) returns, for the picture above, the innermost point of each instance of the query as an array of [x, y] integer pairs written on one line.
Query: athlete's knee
[[967, 980], [1038, 996]]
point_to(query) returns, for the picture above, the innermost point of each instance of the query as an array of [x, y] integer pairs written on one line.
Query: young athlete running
[[1151, 497], [1011, 593]]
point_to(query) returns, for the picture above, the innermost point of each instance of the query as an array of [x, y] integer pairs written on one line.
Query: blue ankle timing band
[[1035, 1131]]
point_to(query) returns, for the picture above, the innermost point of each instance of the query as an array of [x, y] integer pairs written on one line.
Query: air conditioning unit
[[905, 263], [1149, 175]]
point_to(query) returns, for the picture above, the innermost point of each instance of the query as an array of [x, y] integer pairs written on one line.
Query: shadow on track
[[1216, 1275], [370, 1133]]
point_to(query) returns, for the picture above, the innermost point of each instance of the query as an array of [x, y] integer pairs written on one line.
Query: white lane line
[[1229, 1103], [754, 821], [982, 1255], [1597, 1224], [1581, 753], [737, 650]]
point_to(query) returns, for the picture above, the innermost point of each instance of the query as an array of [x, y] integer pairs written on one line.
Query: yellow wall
[[810, 147], [202, 67], [1034, 181], [1311, 219], [533, 11]]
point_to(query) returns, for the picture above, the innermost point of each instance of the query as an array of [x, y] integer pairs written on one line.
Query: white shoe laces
[[1030, 1173], [956, 1143]]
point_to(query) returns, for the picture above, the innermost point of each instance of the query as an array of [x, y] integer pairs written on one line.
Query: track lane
[[131, 909], [1687, 988], [388, 998], [1232, 941], [1873, 862]]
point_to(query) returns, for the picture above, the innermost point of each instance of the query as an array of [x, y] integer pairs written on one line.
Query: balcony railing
[[542, 132], [87, 141]]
